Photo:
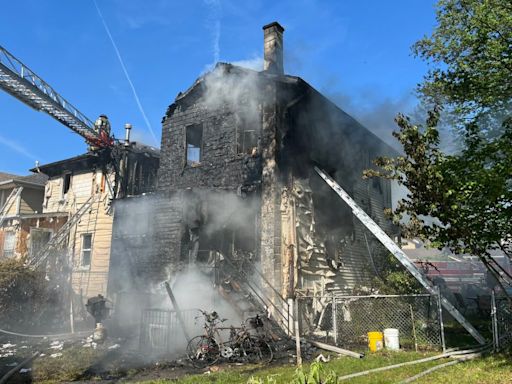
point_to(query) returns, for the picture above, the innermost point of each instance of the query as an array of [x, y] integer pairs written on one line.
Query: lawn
[[495, 369]]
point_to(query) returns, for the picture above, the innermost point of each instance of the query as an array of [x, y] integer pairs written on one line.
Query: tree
[[470, 52], [461, 200]]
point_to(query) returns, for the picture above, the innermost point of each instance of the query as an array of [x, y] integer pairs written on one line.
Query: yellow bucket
[[375, 341]]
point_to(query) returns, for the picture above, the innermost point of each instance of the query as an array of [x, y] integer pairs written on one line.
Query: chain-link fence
[[501, 314], [346, 320], [161, 332]]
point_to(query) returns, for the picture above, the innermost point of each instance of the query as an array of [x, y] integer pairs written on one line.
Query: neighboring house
[[83, 188], [237, 190], [24, 228]]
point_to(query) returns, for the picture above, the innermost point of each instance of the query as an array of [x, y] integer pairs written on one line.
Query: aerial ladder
[[24, 84]]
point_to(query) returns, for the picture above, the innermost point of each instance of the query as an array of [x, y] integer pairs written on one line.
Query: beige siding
[[87, 280], [91, 280], [12, 204]]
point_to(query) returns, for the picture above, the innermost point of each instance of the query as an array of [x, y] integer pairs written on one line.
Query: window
[[38, 239], [247, 137], [9, 243], [66, 183], [194, 140], [86, 250]]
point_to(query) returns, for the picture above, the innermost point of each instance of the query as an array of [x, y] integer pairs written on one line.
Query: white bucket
[[391, 340]]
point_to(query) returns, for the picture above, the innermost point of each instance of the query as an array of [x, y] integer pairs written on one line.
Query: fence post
[[297, 332], [494, 320], [334, 320], [440, 311]]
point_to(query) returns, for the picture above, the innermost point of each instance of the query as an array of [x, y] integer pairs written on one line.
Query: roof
[[7, 176], [92, 160], [32, 180], [294, 81]]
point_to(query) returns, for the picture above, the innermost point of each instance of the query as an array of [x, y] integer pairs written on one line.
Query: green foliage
[[470, 52], [395, 279], [462, 201], [317, 375], [24, 296]]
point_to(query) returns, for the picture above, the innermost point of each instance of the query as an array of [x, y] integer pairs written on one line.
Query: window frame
[[12, 251], [83, 249], [64, 190], [189, 162], [35, 229]]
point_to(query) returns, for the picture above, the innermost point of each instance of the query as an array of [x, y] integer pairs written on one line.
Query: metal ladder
[[15, 193], [22, 83], [61, 234], [398, 253]]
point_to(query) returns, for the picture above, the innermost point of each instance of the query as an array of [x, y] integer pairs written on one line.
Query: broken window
[[9, 242], [247, 138], [194, 141], [86, 250], [66, 184], [38, 239]]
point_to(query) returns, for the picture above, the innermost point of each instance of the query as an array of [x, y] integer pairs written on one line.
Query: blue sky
[[356, 52]]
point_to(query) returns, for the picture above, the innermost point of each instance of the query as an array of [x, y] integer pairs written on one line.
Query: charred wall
[[332, 243]]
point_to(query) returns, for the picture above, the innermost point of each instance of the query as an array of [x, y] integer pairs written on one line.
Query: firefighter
[[102, 129]]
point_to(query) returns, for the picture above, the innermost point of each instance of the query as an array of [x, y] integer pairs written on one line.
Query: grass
[[68, 367], [494, 369]]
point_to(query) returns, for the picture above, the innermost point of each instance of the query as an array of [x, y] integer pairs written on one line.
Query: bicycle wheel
[[203, 351], [257, 350]]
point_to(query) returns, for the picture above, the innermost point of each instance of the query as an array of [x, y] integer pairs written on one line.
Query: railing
[[280, 310]]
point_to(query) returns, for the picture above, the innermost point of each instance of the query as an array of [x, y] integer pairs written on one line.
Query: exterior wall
[[92, 279], [13, 204], [336, 252], [221, 167], [22, 227], [31, 201]]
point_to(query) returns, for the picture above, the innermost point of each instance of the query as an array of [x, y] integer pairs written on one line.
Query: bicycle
[[207, 349]]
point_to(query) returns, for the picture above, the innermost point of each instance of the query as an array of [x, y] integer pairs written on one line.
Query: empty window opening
[[66, 183], [86, 250], [9, 243], [194, 141], [38, 239], [247, 136]]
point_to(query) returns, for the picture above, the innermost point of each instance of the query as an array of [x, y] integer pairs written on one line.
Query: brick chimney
[[273, 48]]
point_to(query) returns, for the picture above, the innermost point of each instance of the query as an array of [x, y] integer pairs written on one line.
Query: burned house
[[238, 196]]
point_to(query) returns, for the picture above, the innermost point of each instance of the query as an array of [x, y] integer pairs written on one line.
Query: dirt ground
[[78, 359]]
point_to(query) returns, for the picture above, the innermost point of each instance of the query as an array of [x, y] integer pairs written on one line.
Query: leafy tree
[[461, 200], [470, 52]]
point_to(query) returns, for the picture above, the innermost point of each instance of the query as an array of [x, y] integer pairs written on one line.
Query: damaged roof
[[293, 81], [93, 160]]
